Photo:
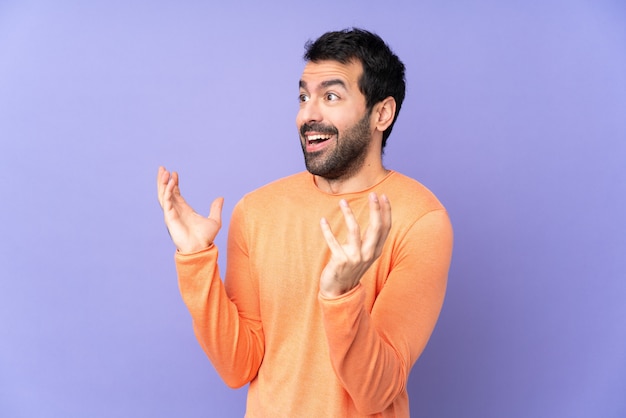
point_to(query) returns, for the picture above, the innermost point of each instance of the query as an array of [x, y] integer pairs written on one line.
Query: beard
[[349, 152]]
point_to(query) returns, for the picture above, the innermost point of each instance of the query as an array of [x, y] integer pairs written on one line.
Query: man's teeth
[[314, 138]]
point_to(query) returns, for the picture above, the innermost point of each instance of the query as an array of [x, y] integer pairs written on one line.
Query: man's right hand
[[190, 231]]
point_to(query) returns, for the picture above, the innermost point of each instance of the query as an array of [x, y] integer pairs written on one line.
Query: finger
[[171, 188], [372, 233], [330, 238], [174, 182], [375, 220], [216, 210], [162, 179], [385, 213], [378, 227], [354, 232], [380, 213]]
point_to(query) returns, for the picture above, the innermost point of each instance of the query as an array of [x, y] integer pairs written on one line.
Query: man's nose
[[309, 112]]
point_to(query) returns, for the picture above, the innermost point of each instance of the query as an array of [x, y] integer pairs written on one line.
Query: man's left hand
[[349, 261]]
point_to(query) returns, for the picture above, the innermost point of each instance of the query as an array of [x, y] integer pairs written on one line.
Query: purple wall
[[515, 118]]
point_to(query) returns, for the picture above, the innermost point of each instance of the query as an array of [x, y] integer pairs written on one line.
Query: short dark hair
[[383, 72]]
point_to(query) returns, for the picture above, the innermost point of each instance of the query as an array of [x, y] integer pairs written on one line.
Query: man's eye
[[331, 97], [303, 98]]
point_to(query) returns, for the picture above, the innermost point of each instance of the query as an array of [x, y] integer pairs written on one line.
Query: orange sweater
[[305, 355]]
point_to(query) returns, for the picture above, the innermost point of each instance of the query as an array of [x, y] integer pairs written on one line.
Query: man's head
[[383, 72]]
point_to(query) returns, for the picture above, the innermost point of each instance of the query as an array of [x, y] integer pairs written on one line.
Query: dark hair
[[383, 72]]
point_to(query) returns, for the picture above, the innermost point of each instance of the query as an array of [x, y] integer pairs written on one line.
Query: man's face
[[333, 121]]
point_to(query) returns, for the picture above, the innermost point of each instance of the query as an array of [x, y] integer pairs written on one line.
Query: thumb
[[216, 210]]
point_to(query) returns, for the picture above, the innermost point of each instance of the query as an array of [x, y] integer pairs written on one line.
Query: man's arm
[[228, 331], [372, 354]]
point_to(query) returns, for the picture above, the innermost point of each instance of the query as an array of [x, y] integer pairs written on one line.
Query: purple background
[[515, 117]]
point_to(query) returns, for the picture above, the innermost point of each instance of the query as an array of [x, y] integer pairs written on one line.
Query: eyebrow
[[326, 84]]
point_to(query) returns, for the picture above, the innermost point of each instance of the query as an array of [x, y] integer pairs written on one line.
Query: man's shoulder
[[405, 187], [281, 188], [295, 181], [409, 197]]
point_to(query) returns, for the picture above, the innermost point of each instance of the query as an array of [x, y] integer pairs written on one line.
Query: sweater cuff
[[196, 275], [200, 255], [196, 267], [349, 295], [342, 317]]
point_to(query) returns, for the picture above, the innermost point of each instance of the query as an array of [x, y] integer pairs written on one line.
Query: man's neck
[[366, 177]]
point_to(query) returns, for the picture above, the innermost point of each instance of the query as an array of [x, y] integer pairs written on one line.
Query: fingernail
[[343, 203]]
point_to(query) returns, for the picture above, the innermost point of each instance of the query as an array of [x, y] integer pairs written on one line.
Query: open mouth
[[317, 142], [317, 139]]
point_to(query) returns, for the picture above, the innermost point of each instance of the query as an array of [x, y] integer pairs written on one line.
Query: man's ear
[[384, 113]]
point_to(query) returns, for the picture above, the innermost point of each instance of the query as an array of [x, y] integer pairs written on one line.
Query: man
[[326, 303]]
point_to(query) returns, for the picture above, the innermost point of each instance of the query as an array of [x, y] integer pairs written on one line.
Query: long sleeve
[[372, 352], [304, 355], [225, 318]]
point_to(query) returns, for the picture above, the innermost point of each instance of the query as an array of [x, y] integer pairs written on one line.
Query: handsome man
[[327, 303]]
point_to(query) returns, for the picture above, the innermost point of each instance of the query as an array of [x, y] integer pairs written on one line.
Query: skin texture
[[330, 97], [350, 160], [345, 158]]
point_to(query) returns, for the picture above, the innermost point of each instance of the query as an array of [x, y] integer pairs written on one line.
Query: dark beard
[[347, 157]]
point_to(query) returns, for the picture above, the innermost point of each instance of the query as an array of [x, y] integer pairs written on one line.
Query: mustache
[[319, 128]]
